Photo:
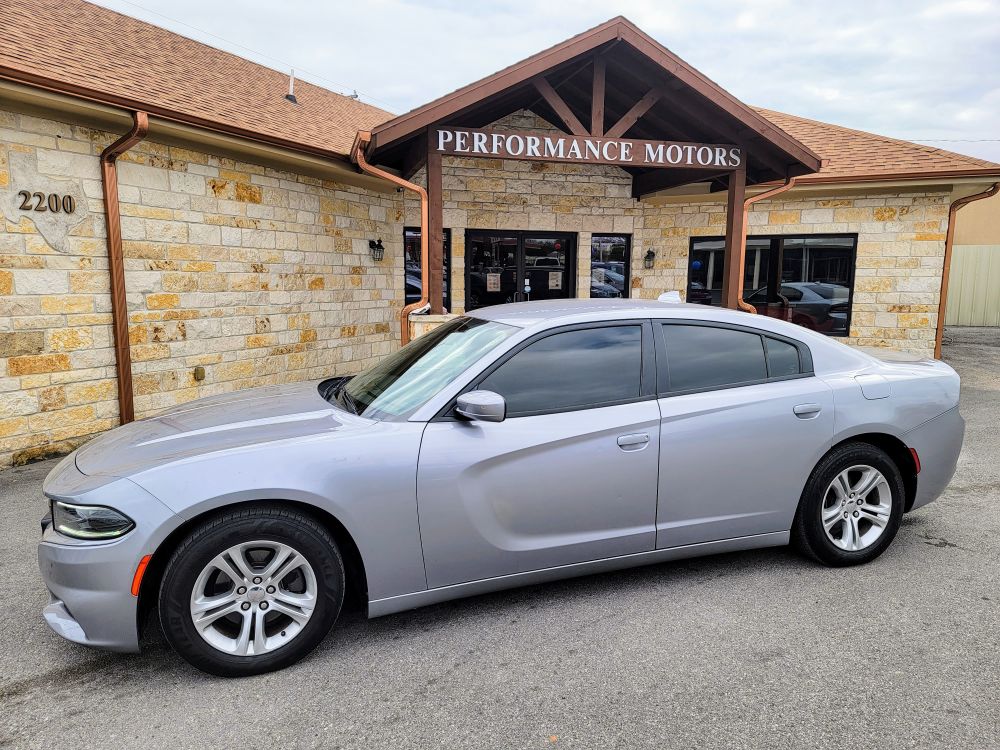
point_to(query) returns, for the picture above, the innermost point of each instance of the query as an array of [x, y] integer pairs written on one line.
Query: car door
[[743, 423], [569, 476]]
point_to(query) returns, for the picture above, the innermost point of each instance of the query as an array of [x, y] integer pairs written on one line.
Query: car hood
[[233, 421]]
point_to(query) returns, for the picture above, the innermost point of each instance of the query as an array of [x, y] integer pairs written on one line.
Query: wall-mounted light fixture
[[647, 261], [376, 249]]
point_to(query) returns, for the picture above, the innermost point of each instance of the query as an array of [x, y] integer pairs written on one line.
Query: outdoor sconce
[[647, 261], [376, 249]]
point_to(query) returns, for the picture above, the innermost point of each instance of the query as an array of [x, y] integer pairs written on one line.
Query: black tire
[[258, 522], [808, 535]]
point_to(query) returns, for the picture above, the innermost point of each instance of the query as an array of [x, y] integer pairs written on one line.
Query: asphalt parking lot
[[748, 650]]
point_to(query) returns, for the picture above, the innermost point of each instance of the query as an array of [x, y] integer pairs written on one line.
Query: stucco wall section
[[257, 275]]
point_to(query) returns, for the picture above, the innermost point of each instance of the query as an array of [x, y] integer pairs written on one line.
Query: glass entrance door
[[503, 266]]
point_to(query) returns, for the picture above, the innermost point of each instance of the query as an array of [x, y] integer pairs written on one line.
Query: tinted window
[[782, 358], [412, 266], [805, 280], [791, 293], [572, 370], [610, 256], [705, 357]]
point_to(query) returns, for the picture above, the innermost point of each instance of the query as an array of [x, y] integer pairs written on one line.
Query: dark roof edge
[[819, 179]]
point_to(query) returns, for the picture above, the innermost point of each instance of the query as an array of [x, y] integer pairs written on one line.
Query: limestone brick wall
[[261, 276], [899, 258], [256, 275]]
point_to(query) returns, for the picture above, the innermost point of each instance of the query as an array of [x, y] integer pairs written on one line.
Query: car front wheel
[[851, 507], [252, 590]]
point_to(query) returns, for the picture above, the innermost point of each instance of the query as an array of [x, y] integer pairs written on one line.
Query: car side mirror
[[482, 406]]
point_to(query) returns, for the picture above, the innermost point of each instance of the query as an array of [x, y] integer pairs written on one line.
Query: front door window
[[506, 267]]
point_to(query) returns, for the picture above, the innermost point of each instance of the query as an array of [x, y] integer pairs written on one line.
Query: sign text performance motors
[[623, 152]]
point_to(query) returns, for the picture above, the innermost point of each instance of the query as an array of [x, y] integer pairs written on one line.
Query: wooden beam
[[435, 228], [597, 97], [638, 109], [677, 129], [732, 276], [715, 124], [415, 157], [551, 96]]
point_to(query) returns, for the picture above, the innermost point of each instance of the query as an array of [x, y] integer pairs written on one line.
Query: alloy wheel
[[856, 508], [253, 598]]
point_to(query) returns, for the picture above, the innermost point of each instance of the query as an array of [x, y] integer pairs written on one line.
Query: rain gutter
[[116, 262], [358, 156]]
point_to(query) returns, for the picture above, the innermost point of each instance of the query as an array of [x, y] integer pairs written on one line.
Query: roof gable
[[687, 106]]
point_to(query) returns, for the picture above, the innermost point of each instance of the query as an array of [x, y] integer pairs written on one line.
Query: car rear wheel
[[252, 590], [851, 507]]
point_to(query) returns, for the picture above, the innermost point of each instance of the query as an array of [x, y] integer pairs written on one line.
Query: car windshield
[[406, 380]]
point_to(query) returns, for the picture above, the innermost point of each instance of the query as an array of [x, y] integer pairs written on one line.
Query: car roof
[[527, 314], [547, 313], [828, 354], [558, 312]]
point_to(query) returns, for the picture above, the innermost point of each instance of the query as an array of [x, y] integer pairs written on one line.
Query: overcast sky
[[923, 70]]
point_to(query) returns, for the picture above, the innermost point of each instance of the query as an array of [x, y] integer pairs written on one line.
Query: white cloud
[[923, 69]]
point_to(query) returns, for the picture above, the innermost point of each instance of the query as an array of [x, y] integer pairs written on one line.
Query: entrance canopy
[[612, 83]]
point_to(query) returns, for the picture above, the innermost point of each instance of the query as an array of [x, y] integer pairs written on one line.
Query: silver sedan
[[517, 444]]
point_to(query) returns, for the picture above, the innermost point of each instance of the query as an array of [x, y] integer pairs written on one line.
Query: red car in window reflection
[[819, 306]]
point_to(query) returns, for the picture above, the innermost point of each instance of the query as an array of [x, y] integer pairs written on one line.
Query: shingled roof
[[856, 155], [85, 50]]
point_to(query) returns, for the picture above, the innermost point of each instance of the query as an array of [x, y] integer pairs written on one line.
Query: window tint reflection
[[572, 370], [705, 357]]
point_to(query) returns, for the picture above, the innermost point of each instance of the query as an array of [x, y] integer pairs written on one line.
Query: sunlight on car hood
[[218, 423]]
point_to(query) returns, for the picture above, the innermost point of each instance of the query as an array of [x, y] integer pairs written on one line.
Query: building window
[[411, 266], [807, 280], [610, 265]]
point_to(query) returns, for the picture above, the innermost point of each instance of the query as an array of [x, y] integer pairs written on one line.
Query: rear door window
[[782, 358], [703, 357]]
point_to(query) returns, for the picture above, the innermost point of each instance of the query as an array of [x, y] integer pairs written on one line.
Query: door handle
[[807, 411], [634, 442]]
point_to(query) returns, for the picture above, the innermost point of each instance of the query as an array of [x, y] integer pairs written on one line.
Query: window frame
[[777, 247], [647, 376], [628, 257], [572, 240], [662, 361], [446, 241]]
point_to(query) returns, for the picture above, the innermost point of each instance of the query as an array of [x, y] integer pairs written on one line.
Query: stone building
[[253, 250]]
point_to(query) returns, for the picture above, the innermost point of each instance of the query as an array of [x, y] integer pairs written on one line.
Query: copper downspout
[[789, 184], [949, 240], [116, 262], [358, 155]]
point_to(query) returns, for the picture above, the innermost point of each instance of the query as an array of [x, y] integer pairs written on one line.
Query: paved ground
[[755, 650]]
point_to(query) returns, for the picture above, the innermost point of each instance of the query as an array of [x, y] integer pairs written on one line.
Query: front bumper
[[90, 582], [90, 592]]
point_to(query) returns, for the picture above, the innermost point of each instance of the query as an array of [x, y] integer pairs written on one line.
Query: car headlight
[[89, 521]]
